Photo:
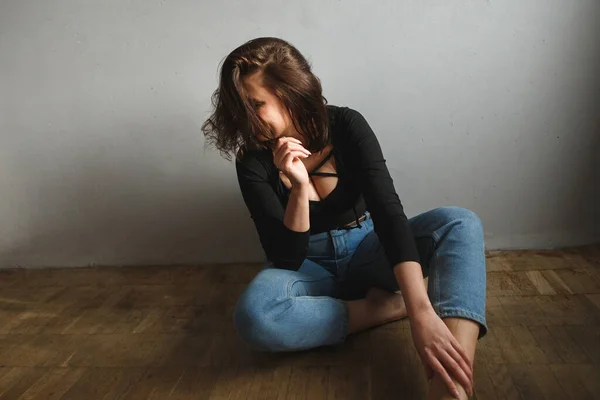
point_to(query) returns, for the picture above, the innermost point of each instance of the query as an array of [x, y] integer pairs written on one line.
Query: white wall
[[493, 106]]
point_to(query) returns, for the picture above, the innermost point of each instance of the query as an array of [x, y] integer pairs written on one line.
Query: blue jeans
[[284, 310]]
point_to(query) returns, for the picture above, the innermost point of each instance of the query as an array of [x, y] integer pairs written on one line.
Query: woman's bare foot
[[386, 306]]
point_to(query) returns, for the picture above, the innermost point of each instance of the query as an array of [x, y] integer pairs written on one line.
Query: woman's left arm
[[439, 350], [437, 347]]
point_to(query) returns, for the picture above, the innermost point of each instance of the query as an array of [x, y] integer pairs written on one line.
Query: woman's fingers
[[455, 369], [465, 365], [463, 353], [439, 369], [282, 140], [294, 146], [286, 163], [286, 141], [282, 150]]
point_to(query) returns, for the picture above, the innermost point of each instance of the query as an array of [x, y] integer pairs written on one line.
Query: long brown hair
[[234, 123]]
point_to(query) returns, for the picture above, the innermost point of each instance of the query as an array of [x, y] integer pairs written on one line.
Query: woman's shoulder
[[257, 161], [341, 113], [346, 123]]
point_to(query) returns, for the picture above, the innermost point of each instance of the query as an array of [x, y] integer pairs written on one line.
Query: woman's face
[[268, 107]]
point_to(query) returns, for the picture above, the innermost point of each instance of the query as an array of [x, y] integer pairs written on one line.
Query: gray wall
[[493, 106]]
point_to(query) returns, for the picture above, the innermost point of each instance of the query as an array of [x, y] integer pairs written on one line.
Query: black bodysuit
[[364, 183]]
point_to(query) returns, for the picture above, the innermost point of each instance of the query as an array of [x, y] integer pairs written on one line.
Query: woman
[[341, 254]]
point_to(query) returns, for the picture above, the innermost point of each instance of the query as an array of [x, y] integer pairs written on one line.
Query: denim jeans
[[284, 310]]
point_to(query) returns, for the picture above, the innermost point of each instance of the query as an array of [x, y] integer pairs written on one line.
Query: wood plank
[[151, 296], [146, 325], [588, 339], [524, 285], [488, 348], [495, 262], [10, 318], [511, 352], [11, 276], [348, 382], [529, 348], [21, 379], [581, 280], [8, 377], [299, 383], [76, 297], [551, 349], [556, 282], [522, 377], [24, 299], [197, 383], [499, 283], [569, 380], [541, 284], [270, 382], [594, 299], [24, 353], [155, 383], [502, 380], [105, 321], [122, 350], [570, 349], [53, 384], [390, 373], [589, 376], [483, 387], [59, 349], [529, 260], [496, 316], [546, 381], [273, 383], [103, 383], [319, 381], [7, 345], [194, 350], [523, 310]]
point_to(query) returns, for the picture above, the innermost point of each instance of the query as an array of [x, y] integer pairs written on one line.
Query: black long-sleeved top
[[364, 183]]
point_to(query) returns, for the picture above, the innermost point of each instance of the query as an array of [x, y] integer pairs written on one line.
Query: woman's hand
[[287, 156], [440, 352]]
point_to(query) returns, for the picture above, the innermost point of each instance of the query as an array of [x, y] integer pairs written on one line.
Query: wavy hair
[[234, 124]]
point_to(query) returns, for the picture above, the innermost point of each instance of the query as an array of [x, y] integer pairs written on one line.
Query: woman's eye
[[259, 104]]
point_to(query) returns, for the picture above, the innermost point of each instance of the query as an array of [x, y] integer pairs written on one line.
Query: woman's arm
[[297, 216], [287, 157], [285, 244], [410, 280], [438, 348]]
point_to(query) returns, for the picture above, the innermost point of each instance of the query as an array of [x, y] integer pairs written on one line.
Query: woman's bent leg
[[284, 310], [457, 279], [457, 272]]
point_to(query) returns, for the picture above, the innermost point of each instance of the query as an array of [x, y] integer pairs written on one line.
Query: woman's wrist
[[410, 280], [300, 187]]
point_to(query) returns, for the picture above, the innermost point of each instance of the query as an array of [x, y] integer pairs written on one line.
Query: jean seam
[[344, 321], [436, 283], [293, 281]]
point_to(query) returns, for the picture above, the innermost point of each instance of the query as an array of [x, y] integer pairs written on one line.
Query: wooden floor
[[166, 333]]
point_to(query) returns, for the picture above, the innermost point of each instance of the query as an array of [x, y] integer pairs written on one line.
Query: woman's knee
[[253, 315], [468, 220]]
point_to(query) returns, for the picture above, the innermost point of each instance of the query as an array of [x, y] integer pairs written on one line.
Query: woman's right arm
[[287, 156], [283, 232], [297, 216]]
